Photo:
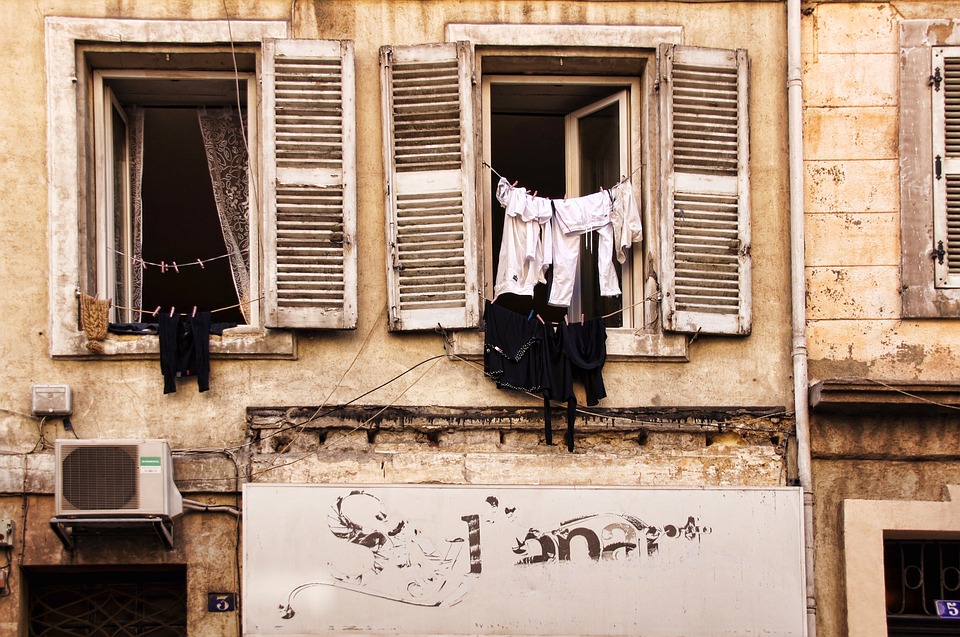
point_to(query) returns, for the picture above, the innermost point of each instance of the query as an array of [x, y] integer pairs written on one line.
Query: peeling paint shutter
[[706, 206], [430, 172], [310, 185], [946, 166]]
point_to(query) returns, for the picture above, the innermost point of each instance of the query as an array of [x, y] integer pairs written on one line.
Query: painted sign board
[[479, 560]]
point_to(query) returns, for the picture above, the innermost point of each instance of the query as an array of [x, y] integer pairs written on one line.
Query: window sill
[[623, 344], [243, 341]]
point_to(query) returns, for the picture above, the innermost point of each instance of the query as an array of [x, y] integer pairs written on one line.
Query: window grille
[[916, 574], [108, 604]]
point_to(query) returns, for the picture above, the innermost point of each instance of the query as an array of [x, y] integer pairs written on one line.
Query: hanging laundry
[[184, 349], [524, 254], [573, 218], [539, 233], [513, 349], [521, 352], [625, 218]]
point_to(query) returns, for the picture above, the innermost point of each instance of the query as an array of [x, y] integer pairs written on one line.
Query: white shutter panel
[[310, 185], [946, 167], [430, 172], [706, 205]]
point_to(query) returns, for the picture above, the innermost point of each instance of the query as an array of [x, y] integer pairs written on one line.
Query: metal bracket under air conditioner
[[64, 527]]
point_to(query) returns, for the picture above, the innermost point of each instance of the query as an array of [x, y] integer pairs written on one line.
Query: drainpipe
[[798, 290]]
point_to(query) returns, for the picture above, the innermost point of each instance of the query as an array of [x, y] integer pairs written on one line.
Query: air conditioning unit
[[115, 479]]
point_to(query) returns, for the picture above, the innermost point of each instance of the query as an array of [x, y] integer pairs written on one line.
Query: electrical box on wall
[[6, 532], [52, 400]]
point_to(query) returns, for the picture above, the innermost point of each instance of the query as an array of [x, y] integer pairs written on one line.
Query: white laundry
[[540, 232], [573, 218], [625, 217], [524, 252]]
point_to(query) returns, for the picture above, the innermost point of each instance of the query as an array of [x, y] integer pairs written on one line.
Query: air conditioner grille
[[101, 478]]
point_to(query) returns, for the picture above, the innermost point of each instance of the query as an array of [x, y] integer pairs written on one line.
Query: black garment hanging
[[184, 349], [586, 348], [513, 349], [560, 373], [524, 353]]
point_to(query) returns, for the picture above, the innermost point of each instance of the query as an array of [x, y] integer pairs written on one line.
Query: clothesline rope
[[219, 309], [172, 265], [623, 180]]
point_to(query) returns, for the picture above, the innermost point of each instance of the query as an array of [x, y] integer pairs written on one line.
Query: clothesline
[[172, 265], [173, 309], [623, 180]]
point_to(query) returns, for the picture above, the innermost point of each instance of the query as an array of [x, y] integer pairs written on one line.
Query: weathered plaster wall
[[850, 75], [123, 399], [860, 457]]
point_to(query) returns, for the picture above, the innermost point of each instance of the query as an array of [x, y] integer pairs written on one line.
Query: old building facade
[[881, 312], [353, 235]]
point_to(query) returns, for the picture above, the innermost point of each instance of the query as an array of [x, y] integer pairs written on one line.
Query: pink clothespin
[[194, 312], [172, 308], [154, 313], [163, 267], [200, 263], [176, 269]]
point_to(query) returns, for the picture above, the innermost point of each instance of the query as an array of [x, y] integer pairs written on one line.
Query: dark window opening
[[528, 145], [917, 573], [180, 220], [149, 602]]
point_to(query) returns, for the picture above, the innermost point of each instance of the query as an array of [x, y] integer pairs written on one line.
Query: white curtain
[[222, 131]]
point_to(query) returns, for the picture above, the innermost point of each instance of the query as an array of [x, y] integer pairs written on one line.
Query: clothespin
[[515, 184], [176, 269], [154, 313], [530, 316], [540, 318], [172, 308], [143, 264], [200, 263], [566, 320], [163, 267], [581, 318], [194, 312]]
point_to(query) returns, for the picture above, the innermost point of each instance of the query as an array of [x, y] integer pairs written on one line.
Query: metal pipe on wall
[[798, 297]]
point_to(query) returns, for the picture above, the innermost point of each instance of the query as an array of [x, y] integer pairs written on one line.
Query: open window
[[562, 136], [185, 172], [173, 190], [566, 123]]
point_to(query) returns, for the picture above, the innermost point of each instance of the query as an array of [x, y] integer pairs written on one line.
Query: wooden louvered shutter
[[430, 171], [706, 196], [310, 185], [946, 167]]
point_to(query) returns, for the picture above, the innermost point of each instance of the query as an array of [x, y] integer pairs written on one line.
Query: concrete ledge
[[864, 395]]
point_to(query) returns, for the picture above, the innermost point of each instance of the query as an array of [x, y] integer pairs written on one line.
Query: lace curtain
[[227, 162], [135, 116]]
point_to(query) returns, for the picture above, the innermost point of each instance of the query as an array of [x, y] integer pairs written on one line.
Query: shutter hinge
[[938, 167], [935, 79], [938, 253]]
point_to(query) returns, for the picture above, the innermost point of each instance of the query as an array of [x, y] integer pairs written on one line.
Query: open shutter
[[430, 172], [706, 191], [310, 185], [945, 96]]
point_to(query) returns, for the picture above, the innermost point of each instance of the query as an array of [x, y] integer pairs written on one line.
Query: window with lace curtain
[[173, 191], [200, 164]]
